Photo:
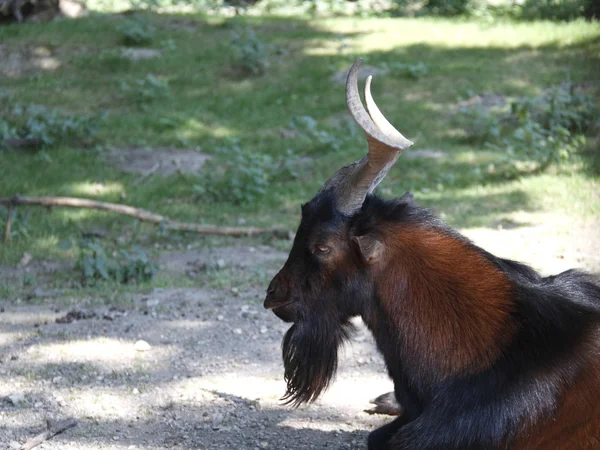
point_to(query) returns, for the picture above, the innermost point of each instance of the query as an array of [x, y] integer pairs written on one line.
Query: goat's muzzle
[[279, 301]]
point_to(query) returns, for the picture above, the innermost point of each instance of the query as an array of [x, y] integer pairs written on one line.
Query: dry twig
[[53, 428], [140, 214]]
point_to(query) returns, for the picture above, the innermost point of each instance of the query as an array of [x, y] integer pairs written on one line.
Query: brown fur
[[576, 422], [462, 335]]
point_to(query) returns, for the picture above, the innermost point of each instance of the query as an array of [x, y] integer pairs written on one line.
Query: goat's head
[[319, 288]]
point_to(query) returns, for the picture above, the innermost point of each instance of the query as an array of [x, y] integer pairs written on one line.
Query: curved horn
[[354, 182]]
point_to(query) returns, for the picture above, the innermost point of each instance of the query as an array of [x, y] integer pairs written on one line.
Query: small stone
[[38, 405], [216, 421], [56, 380], [235, 291], [220, 317], [141, 346], [263, 329], [361, 361], [136, 391], [17, 399], [263, 444], [237, 331], [15, 445]]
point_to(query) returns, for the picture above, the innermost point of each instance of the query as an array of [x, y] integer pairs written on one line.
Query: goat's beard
[[310, 356]]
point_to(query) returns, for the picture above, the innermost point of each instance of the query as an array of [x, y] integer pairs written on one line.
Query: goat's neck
[[446, 304]]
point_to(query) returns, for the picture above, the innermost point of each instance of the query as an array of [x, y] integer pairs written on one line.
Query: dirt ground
[[201, 368]]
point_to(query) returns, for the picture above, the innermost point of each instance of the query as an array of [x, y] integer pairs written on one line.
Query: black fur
[[553, 316]]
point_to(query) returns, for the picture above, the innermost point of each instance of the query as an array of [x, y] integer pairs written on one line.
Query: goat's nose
[[272, 287]]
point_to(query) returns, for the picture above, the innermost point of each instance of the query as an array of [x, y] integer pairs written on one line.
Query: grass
[[210, 106]]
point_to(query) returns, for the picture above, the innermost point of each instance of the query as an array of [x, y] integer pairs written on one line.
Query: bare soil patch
[[209, 378], [137, 54], [243, 256], [162, 161], [486, 100], [18, 62]]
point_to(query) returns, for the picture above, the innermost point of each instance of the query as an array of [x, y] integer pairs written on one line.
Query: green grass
[[209, 104]]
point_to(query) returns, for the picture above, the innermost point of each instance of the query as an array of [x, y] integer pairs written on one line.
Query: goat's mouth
[[274, 304], [285, 309]]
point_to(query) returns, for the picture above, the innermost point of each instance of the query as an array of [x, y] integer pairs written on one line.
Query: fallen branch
[[140, 214], [53, 428], [8, 223]]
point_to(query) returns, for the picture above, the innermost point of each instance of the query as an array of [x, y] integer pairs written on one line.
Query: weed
[[250, 55], [122, 267], [313, 135], [402, 70], [535, 132], [35, 126], [136, 31], [242, 177], [144, 91]]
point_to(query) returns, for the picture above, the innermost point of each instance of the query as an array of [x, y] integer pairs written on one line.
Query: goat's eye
[[323, 249]]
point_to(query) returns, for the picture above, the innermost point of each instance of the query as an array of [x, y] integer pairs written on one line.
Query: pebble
[[141, 346], [263, 329], [237, 331], [17, 399], [221, 263], [220, 317], [15, 445], [216, 421]]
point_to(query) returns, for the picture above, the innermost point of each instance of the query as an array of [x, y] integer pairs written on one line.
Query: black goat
[[484, 352]]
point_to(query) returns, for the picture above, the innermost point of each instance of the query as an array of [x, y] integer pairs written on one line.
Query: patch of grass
[[295, 108]]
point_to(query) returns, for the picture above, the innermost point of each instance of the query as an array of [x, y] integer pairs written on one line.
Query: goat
[[484, 352]]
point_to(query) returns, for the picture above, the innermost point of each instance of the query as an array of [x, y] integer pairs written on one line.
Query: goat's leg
[[379, 439], [386, 404]]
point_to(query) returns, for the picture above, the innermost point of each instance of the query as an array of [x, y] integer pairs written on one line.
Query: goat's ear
[[407, 198], [370, 248]]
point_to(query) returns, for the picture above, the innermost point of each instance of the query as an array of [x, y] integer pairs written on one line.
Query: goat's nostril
[[271, 289]]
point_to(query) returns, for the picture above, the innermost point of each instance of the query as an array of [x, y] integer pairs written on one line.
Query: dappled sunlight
[[8, 338], [94, 188], [377, 35], [551, 243], [241, 385], [189, 324], [192, 128], [25, 318], [107, 404], [380, 35], [77, 214], [110, 352]]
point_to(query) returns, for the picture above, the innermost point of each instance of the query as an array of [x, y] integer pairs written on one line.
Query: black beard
[[310, 356]]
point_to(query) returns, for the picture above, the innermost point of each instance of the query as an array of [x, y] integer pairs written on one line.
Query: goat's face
[[322, 270], [323, 282]]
